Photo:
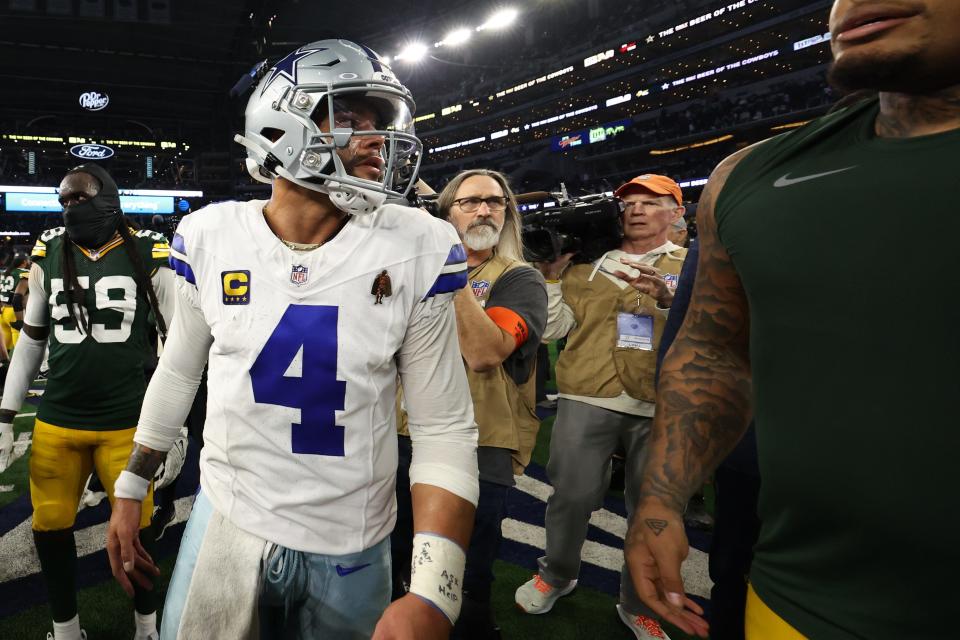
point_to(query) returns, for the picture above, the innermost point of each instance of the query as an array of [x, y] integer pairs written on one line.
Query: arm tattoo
[[144, 461], [657, 526], [703, 397]]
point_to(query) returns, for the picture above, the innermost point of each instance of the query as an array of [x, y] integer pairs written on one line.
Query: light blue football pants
[[303, 595]]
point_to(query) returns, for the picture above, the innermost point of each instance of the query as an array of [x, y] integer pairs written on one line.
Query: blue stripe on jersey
[[457, 254], [448, 283], [182, 267], [178, 244]]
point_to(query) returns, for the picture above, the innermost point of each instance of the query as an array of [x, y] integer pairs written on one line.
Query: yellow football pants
[[10, 335], [60, 462], [763, 624]]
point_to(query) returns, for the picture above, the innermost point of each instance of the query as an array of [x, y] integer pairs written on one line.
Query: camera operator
[[501, 317], [613, 312]]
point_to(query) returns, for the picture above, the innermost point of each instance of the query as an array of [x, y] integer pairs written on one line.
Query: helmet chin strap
[[356, 201], [347, 198]]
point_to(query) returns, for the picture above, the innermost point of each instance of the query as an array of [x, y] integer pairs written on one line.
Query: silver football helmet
[[283, 138]]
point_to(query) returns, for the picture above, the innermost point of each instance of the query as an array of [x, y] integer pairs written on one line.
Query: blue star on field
[[287, 67]]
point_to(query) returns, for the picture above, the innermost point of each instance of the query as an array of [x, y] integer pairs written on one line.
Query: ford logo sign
[[93, 101], [91, 151]]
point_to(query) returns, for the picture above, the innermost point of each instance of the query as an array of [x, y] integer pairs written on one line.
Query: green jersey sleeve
[[47, 243], [155, 248]]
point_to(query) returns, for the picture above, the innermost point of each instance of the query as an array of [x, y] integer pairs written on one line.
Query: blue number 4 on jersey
[[317, 392]]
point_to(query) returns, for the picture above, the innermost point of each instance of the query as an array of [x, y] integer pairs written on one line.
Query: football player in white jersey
[[308, 306]]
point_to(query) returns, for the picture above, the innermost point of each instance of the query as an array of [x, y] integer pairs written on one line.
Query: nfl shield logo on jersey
[[299, 274]]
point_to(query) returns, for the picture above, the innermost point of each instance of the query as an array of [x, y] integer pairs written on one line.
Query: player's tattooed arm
[[703, 398], [145, 461]]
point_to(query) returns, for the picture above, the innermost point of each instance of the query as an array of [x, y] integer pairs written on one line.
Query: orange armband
[[511, 322]]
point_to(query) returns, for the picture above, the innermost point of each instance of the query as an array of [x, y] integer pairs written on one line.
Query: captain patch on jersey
[[236, 287]]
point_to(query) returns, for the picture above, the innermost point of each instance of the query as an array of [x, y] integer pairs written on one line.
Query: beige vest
[[592, 364], [504, 411]]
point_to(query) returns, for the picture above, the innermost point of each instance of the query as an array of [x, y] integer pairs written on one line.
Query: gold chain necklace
[[295, 246]]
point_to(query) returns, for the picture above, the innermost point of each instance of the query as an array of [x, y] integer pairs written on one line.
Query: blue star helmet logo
[[288, 66]]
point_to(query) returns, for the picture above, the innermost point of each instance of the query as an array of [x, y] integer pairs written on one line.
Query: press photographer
[[613, 311]]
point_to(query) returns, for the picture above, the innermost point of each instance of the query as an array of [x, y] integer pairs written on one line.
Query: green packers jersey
[[8, 283], [96, 381], [853, 351]]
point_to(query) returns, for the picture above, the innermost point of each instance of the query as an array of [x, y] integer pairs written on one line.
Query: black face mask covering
[[91, 224]]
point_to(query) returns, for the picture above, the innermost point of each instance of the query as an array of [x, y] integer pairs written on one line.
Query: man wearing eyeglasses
[[613, 312], [500, 320]]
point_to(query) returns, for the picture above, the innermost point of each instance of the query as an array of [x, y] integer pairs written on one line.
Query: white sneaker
[[90, 498], [146, 626], [643, 628], [93, 498], [537, 596]]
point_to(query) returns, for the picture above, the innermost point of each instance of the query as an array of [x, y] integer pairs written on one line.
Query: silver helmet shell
[[283, 138]]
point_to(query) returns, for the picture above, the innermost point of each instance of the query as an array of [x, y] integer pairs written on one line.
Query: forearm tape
[[436, 572], [27, 358]]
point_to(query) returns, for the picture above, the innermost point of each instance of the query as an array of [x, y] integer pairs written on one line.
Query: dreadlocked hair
[[143, 281], [73, 292]]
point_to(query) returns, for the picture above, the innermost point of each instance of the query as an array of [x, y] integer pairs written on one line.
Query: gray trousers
[[583, 439]]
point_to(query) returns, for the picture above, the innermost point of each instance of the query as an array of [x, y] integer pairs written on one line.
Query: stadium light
[[500, 19], [386, 59], [456, 37], [413, 52]]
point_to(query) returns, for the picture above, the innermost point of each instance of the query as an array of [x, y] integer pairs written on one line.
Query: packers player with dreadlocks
[[92, 286]]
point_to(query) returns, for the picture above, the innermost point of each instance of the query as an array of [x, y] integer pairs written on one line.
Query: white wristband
[[130, 485], [436, 573]]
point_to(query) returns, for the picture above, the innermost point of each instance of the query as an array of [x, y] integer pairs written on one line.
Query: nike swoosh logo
[[343, 571], [786, 180]]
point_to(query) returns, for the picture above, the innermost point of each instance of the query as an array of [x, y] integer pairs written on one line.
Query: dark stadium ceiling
[[174, 58], [173, 61]]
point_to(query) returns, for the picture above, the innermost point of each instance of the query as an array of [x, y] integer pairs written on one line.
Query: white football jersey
[[300, 436]]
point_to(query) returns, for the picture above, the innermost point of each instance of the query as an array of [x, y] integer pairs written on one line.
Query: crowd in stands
[[803, 97], [718, 114]]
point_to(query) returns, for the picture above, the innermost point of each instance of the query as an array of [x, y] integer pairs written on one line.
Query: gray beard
[[481, 237]]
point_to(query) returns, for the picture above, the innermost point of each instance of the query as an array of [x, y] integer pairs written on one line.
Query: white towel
[[222, 602]]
